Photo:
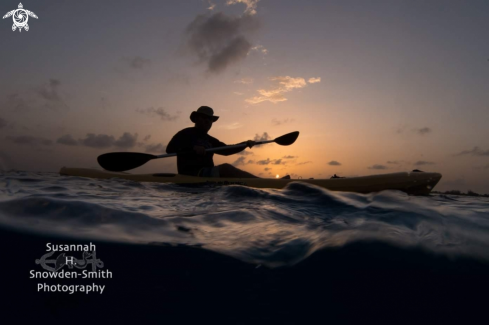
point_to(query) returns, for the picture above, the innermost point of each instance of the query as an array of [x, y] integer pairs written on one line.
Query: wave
[[261, 226]]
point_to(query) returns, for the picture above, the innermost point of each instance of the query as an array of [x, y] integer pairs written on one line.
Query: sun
[[277, 176]]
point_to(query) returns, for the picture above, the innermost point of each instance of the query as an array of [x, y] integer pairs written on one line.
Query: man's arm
[[232, 151]]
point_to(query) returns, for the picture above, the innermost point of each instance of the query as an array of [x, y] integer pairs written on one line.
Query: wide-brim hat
[[204, 110]]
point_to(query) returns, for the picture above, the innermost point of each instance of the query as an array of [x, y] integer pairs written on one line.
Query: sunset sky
[[373, 86]]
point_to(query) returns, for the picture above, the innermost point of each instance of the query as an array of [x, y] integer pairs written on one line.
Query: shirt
[[191, 163]]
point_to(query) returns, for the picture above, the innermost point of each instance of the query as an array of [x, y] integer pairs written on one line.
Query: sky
[[373, 87]]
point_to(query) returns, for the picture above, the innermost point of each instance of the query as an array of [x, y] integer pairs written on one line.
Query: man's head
[[203, 118]]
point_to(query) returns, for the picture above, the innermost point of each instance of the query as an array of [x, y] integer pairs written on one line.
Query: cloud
[[290, 83], [47, 95], [260, 48], [160, 111], [29, 140], [304, 163], [67, 139], [263, 137], [281, 86], [232, 126], [245, 81], [379, 167], [267, 169], [97, 141], [146, 138], [219, 40], [155, 148], [127, 140], [242, 161], [476, 151], [268, 161], [137, 62], [423, 131], [334, 163], [273, 96], [211, 5], [290, 157], [278, 122], [3, 123], [314, 80], [420, 131], [245, 153], [50, 94], [393, 162], [239, 161], [18, 103], [250, 5], [263, 162], [401, 129], [423, 163], [235, 51]]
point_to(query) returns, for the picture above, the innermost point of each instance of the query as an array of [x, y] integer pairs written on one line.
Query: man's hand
[[199, 150], [250, 143]]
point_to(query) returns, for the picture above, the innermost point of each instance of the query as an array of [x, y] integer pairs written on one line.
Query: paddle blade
[[287, 139], [122, 161]]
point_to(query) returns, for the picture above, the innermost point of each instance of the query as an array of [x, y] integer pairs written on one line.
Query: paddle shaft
[[122, 161], [241, 145]]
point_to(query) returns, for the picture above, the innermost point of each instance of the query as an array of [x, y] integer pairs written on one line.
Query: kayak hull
[[417, 183]]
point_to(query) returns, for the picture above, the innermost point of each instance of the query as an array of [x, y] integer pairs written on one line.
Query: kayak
[[415, 182]]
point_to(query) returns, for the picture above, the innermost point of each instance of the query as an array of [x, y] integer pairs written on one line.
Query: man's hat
[[204, 110]]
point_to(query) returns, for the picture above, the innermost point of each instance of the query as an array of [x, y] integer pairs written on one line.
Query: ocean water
[[295, 255]]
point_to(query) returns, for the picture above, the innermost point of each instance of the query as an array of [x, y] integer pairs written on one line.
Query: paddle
[[122, 161]]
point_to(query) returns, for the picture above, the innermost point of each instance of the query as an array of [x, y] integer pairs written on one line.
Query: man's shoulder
[[213, 140], [188, 130], [211, 137]]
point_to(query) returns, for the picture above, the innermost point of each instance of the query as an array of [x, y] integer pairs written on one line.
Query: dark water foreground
[[362, 282]]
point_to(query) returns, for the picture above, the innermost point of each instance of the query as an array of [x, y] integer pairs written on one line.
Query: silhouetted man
[[196, 139]]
